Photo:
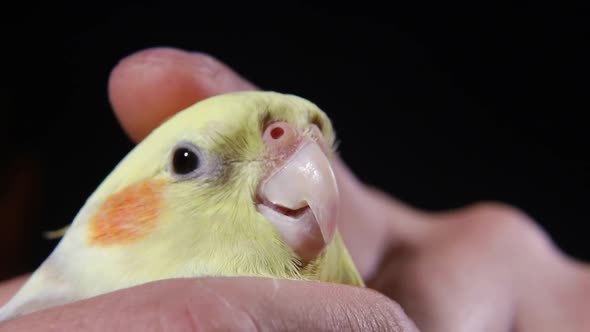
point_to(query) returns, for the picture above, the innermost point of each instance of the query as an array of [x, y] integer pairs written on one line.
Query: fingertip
[[147, 87]]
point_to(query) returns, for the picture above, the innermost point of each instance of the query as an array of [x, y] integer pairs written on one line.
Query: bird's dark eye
[[184, 161]]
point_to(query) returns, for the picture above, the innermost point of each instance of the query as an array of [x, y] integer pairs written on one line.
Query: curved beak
[[304, 182]]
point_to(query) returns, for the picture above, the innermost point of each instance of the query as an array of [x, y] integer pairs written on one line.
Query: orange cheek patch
[[127, 215]]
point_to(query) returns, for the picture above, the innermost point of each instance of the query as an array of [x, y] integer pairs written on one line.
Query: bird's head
[[236, 184]]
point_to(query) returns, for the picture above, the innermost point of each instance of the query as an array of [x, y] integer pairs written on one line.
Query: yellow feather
[[56, 234]]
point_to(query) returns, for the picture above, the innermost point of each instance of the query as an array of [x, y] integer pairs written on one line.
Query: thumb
[[245, 304], [149, 86]]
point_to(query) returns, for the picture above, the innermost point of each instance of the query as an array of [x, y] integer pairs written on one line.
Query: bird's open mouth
[[298, 227], [290, 214]]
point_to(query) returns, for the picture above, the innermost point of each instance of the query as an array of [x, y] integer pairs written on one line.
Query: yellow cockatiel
[[236, 185]]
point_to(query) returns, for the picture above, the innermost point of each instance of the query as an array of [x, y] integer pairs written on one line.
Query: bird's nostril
[[280, 137], [277, 132]]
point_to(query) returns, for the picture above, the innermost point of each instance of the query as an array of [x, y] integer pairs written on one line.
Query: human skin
[[485, 267]]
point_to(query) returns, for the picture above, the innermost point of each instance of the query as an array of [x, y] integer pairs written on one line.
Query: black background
[[440, 105]]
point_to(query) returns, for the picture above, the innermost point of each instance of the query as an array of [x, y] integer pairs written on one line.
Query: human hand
[[485, 267]]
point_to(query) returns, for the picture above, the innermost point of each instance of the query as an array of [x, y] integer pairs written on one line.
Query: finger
[[149, 86], [9, 287], [245, 304], [386, 222]]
